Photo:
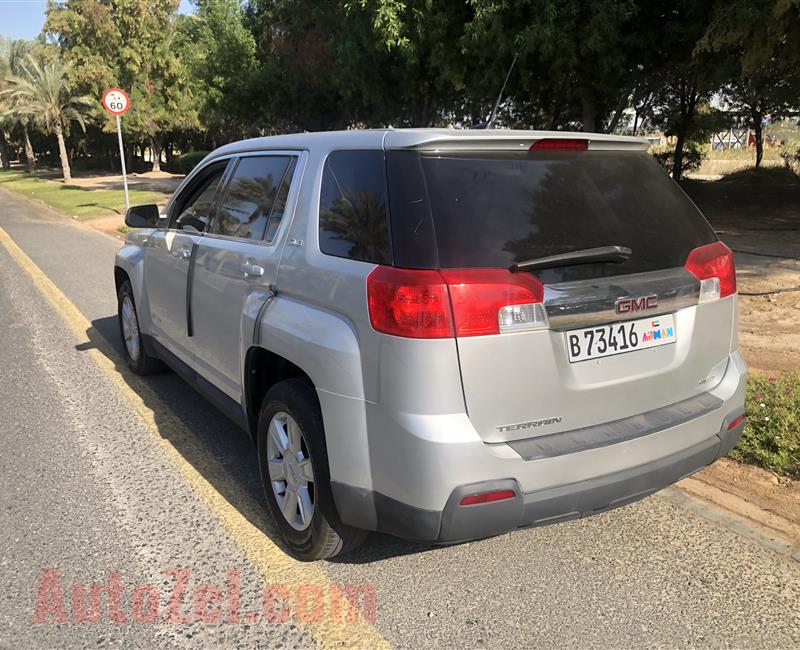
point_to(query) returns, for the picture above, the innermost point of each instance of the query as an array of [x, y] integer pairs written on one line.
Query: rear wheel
[[293, 462], [139, 361]]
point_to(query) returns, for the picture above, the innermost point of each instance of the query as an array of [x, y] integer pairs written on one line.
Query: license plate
[[617, 338]]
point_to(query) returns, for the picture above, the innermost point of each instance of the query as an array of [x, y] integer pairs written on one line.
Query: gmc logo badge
[[629, 305]]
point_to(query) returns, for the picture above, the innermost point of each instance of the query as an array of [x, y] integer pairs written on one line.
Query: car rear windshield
[[490, 210]]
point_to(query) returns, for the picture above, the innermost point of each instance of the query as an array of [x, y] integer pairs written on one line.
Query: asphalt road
[[111, 481]]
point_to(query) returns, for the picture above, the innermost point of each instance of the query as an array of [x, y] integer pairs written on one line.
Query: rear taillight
[[713, 266], [487, 497], [490, 301], [559, 144], [463, 302], [409, 303]]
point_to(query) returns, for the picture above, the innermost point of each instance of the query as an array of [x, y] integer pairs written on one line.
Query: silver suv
[[442, 335]]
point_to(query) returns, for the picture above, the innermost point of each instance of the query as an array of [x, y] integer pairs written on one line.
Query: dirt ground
[[759, 218], [155, 181]]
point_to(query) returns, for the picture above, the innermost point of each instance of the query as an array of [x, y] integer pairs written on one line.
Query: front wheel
[[139, 361], [293, 462]]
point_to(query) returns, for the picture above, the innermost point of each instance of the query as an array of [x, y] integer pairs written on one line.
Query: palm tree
[[42, 93], [13, 54]]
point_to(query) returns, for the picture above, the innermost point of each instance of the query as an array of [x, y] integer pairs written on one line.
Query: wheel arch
[[129, 265]]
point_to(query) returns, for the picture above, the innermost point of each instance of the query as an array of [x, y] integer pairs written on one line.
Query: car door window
[[279, 207], [250, 197], [194, 208]]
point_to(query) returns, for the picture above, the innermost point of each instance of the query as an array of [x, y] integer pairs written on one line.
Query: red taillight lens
[[714, 261], [478, 295], [487, 497], [736, 422], [559, 144], [409, 303], [463, 302]]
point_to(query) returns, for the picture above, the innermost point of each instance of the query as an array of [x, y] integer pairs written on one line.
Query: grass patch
[[72, 200], [771, 437]]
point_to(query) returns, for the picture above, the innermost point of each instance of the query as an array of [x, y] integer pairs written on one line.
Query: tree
[[218, 53], [763, 37], [762, 92], [12, 57], [131, 44], [679, 78], [759, 28], [43, 94], [573, 66]]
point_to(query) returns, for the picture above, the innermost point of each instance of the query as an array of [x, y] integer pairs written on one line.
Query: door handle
[[185, 253], [251, 269]]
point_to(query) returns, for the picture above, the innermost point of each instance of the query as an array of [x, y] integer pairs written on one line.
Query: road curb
[[739, 523]]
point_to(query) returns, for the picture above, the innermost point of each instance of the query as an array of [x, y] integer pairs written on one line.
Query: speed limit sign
[[115, 101]]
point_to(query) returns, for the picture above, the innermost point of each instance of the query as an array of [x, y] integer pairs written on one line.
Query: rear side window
[[353, 219], [490, 210], [250, 197]]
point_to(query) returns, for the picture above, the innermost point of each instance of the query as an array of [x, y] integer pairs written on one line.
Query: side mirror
[[142, 216]]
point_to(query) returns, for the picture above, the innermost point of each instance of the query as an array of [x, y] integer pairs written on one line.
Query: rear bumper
[[459, 523], [419, 480]]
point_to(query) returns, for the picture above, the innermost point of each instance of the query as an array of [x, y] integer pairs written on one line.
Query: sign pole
[[122, 162]]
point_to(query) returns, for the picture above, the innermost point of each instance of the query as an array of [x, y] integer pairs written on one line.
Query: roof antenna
[[500, 96]]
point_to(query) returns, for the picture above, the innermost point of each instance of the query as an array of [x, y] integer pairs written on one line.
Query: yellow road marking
[[201, 471]]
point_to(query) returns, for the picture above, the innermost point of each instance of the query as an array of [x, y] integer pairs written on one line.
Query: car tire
[[133, 347], [292, 450]]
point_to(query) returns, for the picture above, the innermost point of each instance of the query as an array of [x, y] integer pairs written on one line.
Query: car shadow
[[220, 451]]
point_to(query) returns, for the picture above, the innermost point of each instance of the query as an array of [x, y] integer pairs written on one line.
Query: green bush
[[693, 155], [791, 158], [771, 436], [186, 162]]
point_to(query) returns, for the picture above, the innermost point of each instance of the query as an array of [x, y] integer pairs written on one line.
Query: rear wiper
[[586, 256]]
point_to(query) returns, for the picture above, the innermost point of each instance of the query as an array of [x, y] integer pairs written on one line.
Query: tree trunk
[[30, 157], [689, 98], [155, 148], [621, 105], [5, 154], [758, 132], [62, 152], [677, 160], [589, 109]]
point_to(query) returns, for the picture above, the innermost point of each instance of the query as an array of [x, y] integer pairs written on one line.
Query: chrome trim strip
[[612, 433], [585, 303]]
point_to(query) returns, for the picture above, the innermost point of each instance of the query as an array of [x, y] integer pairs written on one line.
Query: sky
[[24, 18]]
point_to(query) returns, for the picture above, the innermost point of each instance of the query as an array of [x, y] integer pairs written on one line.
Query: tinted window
[[279, 207], [491, 210], [193, 208], [250, 196], [353, 218]]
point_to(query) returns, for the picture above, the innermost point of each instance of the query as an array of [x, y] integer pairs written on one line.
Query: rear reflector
[[736, 422], [559, 144], [487, 497], [713, 266], [455, 302]]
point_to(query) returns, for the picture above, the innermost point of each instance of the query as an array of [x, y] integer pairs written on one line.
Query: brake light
[[713, 266], [487, 497], [559, 144], [409, 303], [490, 301], [462, 302]]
